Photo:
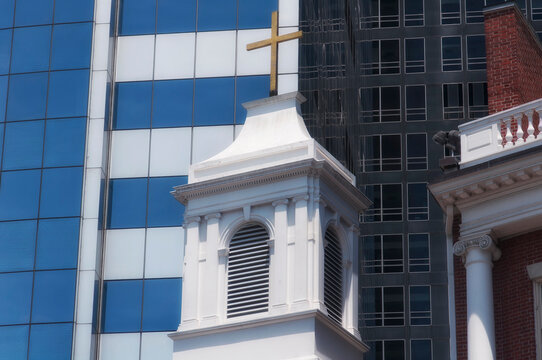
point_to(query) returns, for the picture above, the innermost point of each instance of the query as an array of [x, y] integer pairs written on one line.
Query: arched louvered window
[[333, 276], [248, 271]]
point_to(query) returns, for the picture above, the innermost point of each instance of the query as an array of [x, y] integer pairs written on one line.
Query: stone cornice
[[489, 182], [309, 167], [484, 242]]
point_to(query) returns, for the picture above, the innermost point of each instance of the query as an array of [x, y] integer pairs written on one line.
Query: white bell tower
[[271, 246]]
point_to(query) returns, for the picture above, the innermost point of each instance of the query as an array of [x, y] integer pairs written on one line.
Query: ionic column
[[189, 310], [478, 255]]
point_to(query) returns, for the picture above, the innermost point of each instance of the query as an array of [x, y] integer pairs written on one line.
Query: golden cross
[[274, 43]]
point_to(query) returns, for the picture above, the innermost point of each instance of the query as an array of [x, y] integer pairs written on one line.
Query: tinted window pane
[[137, 17], [13, 342], [450, 11], [172, 103], [6, 13], [16, 290], [214, 101], [19, 195], [58, 241], [122, 306], [217, 14], [5, 50], [249, 88], [420, 349], [133, 105], [65, 142], [73, 10], [394, 350], [71, 46], [256, 13], [414, 55], [176, 16], [68, 94], [393, 306], [162, 305], [476, 52], [164, 209], [391, 152], [415, 103], [3, 96], [34, 12], [420, 305], [61, 192], [451, 53], [417, 202], [23, 145], [17, 242], [50, 342], [127, 203], [31, 49], [27, 96], [391, 103], [54, 296]]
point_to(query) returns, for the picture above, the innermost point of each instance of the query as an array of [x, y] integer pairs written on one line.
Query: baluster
[[539, 120], [500, 139], [530, 128], [519, 123], [509, 135]]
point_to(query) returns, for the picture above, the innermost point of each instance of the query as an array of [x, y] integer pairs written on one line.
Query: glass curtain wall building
[[105, 103]]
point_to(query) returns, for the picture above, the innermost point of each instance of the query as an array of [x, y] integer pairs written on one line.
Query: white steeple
[[271, 246]]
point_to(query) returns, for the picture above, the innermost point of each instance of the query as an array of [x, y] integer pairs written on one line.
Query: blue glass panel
[[137, 17], [65, 142], [217, 14], [31, 49], [16, 290], [249, 88], [1, 139], [3, 96], [27, 96], [133, 105], [73, 10], [13, 342], [50, 342], [58, 243], [61, 192], [161, 304], [122, 306], [172, 103], [68, 94], [34, 12], [5, 50], [19, 195], [54, 296], [71, 46], [127, 203], [23, 145], [6, 13], [214, 101], [164, 209], [17, 242], [256, 13], [176, 16]]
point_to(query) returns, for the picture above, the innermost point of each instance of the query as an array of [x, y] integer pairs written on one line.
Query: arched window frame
[[225, 254]]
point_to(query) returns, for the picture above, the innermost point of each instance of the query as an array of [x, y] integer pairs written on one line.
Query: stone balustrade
[[508, 131]]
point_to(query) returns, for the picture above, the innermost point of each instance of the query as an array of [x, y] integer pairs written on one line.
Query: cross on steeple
[[274, 43]]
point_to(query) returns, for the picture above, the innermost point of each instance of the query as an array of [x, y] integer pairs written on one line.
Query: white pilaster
[[279, 279], [189, 310], [351, 306], [478, 254], [301, 251], [210, 274]]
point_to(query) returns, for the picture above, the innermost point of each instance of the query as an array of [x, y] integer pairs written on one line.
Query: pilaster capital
[[301, 197], [190, 220], [485, 242], [280, 202], [213, 216]]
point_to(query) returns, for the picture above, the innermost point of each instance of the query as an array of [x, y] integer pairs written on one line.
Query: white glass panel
[[170, 152], [119, 346], [129, 153], [254, 62], [210, 140], [124, 252], [174, 56], [156, 346], [215, 54], [135, 56], [165, 252]]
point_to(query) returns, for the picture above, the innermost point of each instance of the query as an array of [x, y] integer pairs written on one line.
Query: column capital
[[301, 197], [213, 216], [280, 202], [192, 219], [485, 242]]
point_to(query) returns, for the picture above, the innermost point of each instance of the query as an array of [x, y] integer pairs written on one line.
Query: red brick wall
[[514, 60], [513, 299]]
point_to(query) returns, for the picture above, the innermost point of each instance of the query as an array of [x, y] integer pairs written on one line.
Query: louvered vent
[[248, 271], [333, 277]]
